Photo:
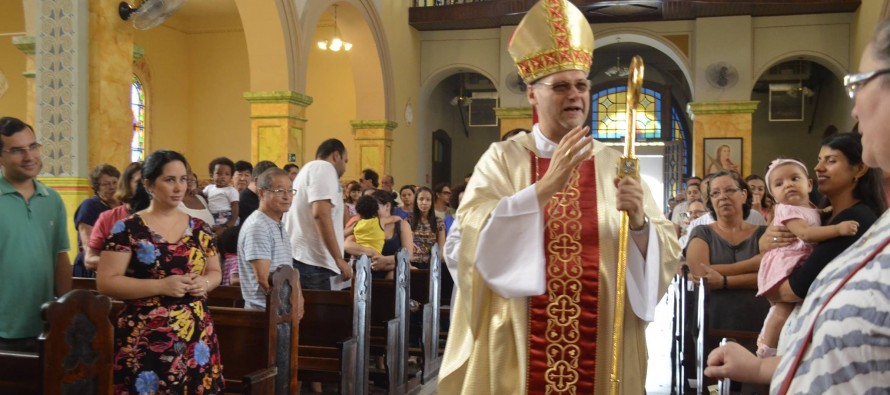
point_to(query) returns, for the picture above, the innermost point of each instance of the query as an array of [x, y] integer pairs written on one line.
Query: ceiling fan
[[149, 13]]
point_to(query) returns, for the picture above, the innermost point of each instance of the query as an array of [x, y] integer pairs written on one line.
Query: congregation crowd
[[780, 252]]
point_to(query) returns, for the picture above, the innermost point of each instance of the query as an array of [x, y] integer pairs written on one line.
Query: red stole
[[562, 322]]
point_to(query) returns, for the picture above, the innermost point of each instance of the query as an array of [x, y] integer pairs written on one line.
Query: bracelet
[[642, 228], [725, 283]]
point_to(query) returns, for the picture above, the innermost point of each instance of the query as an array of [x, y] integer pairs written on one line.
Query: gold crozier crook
[[628, 166]]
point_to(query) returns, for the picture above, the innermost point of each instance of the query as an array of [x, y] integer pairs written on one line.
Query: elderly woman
[[726, 254], [837, 341], [162, 263], [396, 235], [126, 187], [103, 180]]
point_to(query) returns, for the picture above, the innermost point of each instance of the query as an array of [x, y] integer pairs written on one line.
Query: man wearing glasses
[[263, 244], [539, 226], [33, 238]]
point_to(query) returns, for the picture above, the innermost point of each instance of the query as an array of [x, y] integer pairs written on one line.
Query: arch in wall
[[424, 140], [652, 40], [273, 49], [822, 59], [359, 23]]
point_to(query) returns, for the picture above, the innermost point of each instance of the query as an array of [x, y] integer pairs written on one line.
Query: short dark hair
[[288, 166], [455, 195], [261, 167], [222, 160], [243, 165], [367, 206], [10, 126], [98, 171], [123, 193], [328, 147], [264, 180], [514, 132], [742, 185], [151, 170], [372, 175]]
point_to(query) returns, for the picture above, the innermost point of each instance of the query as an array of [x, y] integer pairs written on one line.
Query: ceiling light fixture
[[335, 43], [618, 70]]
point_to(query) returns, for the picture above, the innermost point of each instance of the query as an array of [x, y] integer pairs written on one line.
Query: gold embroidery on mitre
[[564, 289], [553, 36]]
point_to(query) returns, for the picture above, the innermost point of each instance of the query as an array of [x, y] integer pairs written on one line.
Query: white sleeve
[[233, 195], [452, 245], [512, 260], [510, 256], [642, 277]]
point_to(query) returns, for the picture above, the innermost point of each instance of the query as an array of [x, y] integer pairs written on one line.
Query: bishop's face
[[562, 101]]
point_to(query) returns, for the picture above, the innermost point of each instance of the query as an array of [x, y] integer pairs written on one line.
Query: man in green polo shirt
[[34, 262]]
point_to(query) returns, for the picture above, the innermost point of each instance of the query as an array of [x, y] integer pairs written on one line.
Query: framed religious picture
[[722, 154]]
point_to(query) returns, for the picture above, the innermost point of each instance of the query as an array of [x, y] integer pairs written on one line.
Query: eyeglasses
[[19, 151], [563, 87], [728, 192], [281, 192], [693, 214], [854, 82]]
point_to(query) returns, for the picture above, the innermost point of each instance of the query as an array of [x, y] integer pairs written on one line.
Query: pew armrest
[[260, 382]]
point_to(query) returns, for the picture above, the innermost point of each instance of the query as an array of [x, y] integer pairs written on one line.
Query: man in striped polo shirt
[[263, 244]]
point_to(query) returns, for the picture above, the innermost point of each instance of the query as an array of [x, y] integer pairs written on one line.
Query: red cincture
[[562, 322]]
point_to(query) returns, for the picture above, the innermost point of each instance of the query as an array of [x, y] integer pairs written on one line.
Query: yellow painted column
[[110, 76], [26, 45], [277, 121], [373, 145], [732, 119], [514, 117], [73, 191]]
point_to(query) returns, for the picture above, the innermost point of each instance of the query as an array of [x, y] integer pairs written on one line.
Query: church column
[[728, 119], [373, 145], [111, 74], [277, 121], [26, 45], [514, 117], [61, 116]]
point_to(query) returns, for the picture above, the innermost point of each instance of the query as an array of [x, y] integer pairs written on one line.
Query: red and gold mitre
[[553, 36]]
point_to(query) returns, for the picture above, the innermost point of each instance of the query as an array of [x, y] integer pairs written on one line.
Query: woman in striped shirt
[[838, 341]]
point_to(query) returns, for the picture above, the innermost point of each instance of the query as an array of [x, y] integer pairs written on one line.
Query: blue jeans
[[314, 277]]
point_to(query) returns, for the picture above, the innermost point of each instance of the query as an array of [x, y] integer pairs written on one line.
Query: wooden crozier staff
[[628, 166]]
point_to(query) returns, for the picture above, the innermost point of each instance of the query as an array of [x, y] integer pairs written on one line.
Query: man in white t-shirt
[[315, 219]]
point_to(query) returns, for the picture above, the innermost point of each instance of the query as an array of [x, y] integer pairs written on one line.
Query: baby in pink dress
[[788, 181]]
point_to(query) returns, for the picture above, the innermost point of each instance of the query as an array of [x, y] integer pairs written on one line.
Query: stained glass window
[[680, 134], [137, 104], [610, 120]]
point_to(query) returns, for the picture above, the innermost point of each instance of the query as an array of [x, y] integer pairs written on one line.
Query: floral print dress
[[164, 345], [424, 239]]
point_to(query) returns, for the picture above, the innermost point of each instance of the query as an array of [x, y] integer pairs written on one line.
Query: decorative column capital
[[24, 44], [373, 124], [266, 97], [513, 112], [723, 107]]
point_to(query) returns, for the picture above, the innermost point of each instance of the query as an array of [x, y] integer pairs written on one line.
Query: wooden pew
[[425, 289], [75, 351], [389, 327], [683, 300], [335, 334], [259, 348]]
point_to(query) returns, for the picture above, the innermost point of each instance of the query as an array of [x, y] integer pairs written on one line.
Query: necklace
[[730, 230]]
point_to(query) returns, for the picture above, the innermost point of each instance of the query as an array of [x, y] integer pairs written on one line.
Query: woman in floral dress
[[428, 229], [161, 263]]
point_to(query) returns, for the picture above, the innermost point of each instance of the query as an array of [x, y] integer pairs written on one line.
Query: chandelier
[[335, 43], [617, 70]]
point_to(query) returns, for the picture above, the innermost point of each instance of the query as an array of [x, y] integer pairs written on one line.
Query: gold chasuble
[[558, 342]]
